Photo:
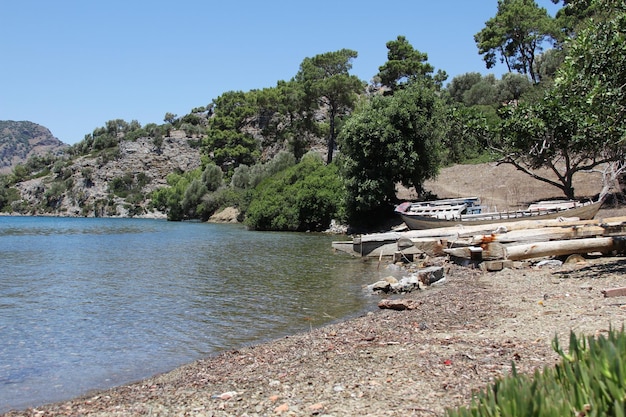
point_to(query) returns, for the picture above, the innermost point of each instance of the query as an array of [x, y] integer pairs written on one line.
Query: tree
[[517, 34], [191, 203], [170, 118], [579, 124], [511, 87], [227, 142], [212, 177], [328, 85], [483, 93], [404, 65], [470, 133], [574, 14], [391, 139], [547, 64], [461, 84]]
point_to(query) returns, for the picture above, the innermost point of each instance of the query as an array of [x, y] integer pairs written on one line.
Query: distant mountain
[[21, 140]]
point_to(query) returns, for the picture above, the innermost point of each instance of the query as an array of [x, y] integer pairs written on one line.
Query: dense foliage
[[577, 125], [391, 139], [226, 142], [304, 197], [406, 65]]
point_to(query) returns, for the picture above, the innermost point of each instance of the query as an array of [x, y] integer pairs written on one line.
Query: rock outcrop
[[83, 187]]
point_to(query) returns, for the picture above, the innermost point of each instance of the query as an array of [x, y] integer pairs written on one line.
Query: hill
[[21, 140], [114, 182]]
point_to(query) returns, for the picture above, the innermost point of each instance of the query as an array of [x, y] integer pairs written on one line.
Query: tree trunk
[[331, 136]]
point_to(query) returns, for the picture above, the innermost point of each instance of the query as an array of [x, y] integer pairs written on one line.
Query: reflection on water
[[92, 303]]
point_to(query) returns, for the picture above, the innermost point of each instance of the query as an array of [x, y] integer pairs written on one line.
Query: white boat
[[450, 212]]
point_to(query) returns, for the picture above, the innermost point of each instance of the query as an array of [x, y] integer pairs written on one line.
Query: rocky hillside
[[112, 183], [20, 140]]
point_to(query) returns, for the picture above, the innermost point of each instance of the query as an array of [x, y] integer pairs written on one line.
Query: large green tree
[[392, 139], [328, 85], [516, 34], [580, 123], [227, 142]]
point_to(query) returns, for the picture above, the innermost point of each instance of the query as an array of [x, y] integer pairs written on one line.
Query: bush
[[305, 197], [212, 177], [54, 194], [249, 177]]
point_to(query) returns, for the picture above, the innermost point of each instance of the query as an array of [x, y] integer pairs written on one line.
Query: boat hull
[[585, 211]]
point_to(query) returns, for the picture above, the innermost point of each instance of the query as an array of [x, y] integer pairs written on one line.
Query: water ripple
[[91, 303]]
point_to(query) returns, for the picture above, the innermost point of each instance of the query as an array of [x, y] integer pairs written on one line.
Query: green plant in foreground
[[590, 380]]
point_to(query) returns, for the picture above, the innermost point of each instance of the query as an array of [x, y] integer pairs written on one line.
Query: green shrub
[[590, 380], [212, 177], [54, 194], [169, 199], [306, 196], [249, 177]]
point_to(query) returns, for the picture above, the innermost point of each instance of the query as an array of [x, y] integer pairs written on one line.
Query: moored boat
[[428, 215]]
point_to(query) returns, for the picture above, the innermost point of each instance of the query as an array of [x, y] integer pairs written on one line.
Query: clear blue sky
[[72, 65]]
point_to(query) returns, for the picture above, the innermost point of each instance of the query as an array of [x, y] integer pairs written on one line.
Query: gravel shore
[[464, 333]]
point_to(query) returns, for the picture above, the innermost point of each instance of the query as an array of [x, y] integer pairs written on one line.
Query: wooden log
[[398, 304], [542, 235], [516, 252], [558, 248], [469, 231]]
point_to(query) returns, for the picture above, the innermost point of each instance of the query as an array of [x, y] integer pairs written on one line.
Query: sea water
[[88, 304]]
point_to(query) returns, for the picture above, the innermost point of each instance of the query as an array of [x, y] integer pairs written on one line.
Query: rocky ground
[[464, 332]]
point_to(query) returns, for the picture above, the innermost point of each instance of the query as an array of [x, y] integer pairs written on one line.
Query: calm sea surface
[[93, 303]]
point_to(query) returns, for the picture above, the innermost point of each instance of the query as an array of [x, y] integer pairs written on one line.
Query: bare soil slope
[[502, 187]]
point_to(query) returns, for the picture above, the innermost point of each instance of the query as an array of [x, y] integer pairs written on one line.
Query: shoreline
[[463, 334]]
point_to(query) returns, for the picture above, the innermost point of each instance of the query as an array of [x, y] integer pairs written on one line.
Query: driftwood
[[516, 252], [561, 247], [398, 304], [615, 292]]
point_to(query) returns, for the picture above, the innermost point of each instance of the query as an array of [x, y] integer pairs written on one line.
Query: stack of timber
[[497, 241]]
